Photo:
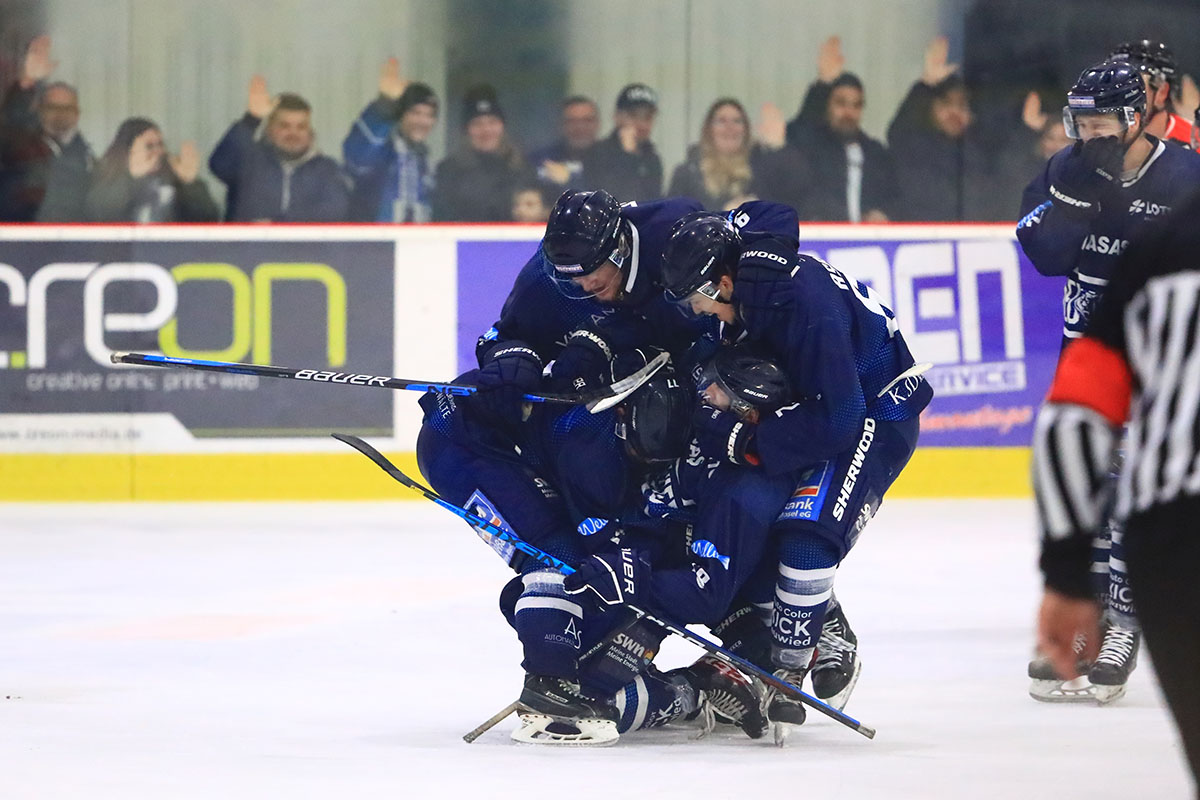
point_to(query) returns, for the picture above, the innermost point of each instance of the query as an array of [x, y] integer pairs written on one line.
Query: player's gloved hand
[[583, 363], [723, 435], [510, 372], [1090, 172], [612, 578]]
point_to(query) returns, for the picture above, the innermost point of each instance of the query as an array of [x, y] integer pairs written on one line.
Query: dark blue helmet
[[1110, 87], [750, 381], [656, 420], [583, 232], [703, 247], [1150, 57]]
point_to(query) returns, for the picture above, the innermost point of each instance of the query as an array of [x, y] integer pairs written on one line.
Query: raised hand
[[37, 65], [391, 85], [936, 69], [1031, 113], [145, 153], [186, 165], [772, 130], [258, 99], [830, 61], [627, 133]]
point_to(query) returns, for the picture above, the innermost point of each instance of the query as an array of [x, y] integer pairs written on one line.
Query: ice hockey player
[[1160, 72], [1079, 215], [844, 440]]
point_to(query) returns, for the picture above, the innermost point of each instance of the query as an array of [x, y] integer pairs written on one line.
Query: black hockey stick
[[499, 535], [595, 401]]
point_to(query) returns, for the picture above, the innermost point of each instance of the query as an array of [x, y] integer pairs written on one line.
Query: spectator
[[476, 183], [530, 204], [46, 160], [853, 178], [626, 163], [279, 177], [560, 165], [136, 181], [726, 167], [942, 169], [386, 151]]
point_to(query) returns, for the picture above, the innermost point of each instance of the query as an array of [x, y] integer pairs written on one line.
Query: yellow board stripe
[[933, 472]]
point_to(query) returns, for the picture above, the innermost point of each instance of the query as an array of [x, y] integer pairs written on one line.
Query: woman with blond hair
[[727, 166]]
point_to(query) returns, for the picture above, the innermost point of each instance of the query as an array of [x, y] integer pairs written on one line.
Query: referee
[[1139, 360]]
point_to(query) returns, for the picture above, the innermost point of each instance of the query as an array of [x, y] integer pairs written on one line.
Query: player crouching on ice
[[844, 441]]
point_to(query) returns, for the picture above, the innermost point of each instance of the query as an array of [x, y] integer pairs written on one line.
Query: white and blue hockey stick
[[495, 534], [597, 401]]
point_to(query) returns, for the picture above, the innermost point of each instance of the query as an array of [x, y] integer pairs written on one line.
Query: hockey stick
[[595, 401], [498, 534], [492, 721]]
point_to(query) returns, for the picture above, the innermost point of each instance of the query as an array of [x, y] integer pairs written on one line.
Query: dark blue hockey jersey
[[840, 347], [539, 315], [1086, 249]]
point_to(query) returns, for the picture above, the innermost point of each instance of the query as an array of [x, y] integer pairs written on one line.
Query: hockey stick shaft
[[492, 722], [596, 401], [481, 524]]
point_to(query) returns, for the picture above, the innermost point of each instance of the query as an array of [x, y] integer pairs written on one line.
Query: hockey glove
[[510, 372], [1089, 173], [583, 363], [724, 436], [613, 578]]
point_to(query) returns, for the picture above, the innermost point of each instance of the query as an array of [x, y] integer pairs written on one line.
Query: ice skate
[[1046, 686], [727, 696], [1118, 657], [553, 711], [784, 712], [837, 667]]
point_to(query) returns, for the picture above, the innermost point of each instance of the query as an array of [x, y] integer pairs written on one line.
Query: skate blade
[[540, 729], [840, 699], [1107, 694], [1078, 690], [782, 732]]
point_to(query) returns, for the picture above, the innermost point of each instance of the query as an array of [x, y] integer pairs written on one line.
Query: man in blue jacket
[[386, 152], [278, 176]]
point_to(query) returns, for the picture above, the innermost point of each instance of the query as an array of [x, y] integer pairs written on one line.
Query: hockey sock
[[1120, 611], [622, 656], [807, 564], [548, 625], [654, 699], [1101, 553]]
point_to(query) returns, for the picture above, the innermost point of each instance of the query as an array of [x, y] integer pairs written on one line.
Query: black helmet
[[656, 420], [1110, 87], [1151, 57], [748, 379], [583, 232], [703, 246]]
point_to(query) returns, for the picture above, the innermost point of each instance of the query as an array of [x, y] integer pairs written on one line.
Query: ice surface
[[341, 651]]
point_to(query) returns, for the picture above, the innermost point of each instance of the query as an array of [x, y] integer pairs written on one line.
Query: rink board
[[409, 302]]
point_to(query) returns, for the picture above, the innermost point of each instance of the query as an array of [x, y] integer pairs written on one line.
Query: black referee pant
[[1162, 553]]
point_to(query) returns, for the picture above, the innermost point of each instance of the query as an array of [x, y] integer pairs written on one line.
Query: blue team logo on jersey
[[706, 549], [480, 506], [809, 497]]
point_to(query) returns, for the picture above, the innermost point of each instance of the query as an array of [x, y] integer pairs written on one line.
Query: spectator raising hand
[[386, 152], [186, 165], [936, 69], [258, 99], [38, 65], [830, 61], [45, 160], [772, 129], [1031, 113], [391, 85], [270, 164]]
